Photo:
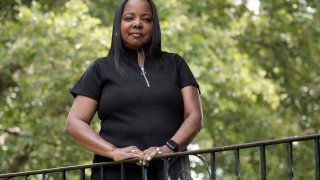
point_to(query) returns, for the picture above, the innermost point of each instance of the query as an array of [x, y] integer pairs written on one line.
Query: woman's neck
[[141, 58]]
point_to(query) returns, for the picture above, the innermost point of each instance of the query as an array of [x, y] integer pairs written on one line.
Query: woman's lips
[[136, 35]]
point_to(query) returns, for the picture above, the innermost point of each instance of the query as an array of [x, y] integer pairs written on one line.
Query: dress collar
[[133, 55]]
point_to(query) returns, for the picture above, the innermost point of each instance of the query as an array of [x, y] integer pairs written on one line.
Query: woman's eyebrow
[[128, 12]]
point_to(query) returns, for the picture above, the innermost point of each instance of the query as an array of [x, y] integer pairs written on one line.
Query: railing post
[[82, 174], [144, 173], [63, 175], [123, 172], [263, 162], [101, 173], [26, 177], [237, 163], [213, 166], [44, 176], [166, 168], [317, 157], [290, 161]]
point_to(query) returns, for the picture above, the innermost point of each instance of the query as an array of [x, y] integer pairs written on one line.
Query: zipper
[[143, 73]]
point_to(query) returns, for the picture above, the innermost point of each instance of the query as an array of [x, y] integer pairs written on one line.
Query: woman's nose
[[137, 23]]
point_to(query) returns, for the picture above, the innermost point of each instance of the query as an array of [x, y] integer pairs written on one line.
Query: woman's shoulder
[[104, 60], [99, 63], [170, 56]]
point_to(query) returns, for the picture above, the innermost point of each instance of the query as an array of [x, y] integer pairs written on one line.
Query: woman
[[147, 99]]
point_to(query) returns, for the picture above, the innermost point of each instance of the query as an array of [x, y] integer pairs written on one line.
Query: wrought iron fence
[[211, 166]]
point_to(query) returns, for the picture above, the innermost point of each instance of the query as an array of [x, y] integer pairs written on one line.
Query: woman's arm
[[192, 117], [78, 126], [188, 130]]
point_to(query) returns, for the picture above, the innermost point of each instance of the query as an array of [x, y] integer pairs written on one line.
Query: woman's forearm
[[188, 131], [89, 139], [192, 117]]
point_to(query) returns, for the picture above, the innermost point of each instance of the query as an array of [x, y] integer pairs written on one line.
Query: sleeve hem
[[83, 93], [194, 84]]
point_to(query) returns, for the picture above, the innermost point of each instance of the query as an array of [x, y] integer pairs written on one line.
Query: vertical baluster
[[213, 166], [290, 161], [144, 173], [63, 175], [317, 156], [263, 162], [26, 177], [237, 164], [82, 174], [166, 168], [123, 174], [101, 173], [44, 176]]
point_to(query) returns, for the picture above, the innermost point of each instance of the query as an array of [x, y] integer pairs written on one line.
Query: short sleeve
[[89, 83], [186, 77]]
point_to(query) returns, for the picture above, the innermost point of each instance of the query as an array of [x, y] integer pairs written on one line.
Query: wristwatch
[[173, 145]]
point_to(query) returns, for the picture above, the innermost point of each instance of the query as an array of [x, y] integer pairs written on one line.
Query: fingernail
[[143, 163], [149, 158]]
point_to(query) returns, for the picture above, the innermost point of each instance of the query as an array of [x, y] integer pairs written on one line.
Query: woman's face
[[136, 24]]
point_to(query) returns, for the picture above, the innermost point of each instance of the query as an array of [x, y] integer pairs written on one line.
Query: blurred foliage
[[258, 68], [43, 54]]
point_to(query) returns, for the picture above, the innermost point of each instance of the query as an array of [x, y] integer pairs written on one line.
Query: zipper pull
[[143, 73]]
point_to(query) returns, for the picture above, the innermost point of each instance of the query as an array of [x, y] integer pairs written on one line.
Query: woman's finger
[[149, 154], [133, 150]]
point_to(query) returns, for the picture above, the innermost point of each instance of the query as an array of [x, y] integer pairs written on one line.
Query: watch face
[[173, 145]]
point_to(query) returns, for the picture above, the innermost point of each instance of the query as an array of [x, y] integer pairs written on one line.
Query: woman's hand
[[148, 154], [119, 154]]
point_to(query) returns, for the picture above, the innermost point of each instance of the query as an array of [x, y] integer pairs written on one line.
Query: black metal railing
[[211, 167]]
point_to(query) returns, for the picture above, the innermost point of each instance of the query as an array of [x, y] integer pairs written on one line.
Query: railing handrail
[[193, 152]]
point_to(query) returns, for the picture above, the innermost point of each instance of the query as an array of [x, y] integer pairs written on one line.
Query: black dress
[[138, 110]]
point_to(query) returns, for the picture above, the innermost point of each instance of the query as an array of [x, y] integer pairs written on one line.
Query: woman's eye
[[128, 18], [147, 20]]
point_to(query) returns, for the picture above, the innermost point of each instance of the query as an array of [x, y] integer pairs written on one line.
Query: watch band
[[173, 145]]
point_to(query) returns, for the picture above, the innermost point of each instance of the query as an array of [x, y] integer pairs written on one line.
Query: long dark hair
[[117, 48]]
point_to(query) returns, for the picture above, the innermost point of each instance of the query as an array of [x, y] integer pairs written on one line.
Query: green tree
[[43, 55]]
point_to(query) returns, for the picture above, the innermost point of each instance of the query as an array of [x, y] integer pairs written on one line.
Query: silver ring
[[158, 151]]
